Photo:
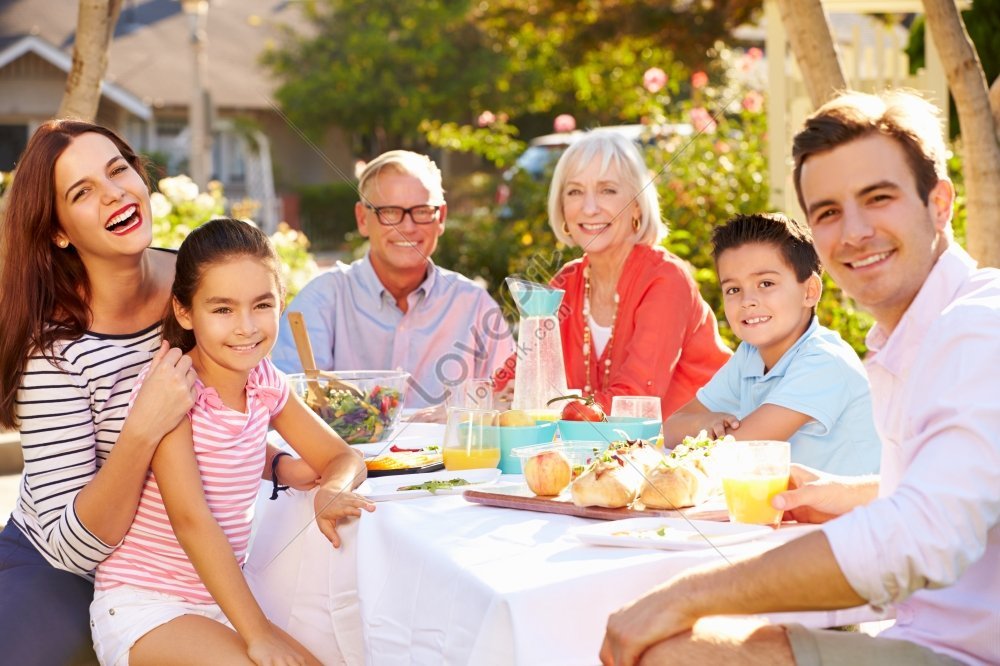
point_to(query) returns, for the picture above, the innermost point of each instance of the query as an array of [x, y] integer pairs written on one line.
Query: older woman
[[632, 321]]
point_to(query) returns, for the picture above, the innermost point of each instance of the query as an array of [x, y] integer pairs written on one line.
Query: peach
[[516, 417], [547, 473]]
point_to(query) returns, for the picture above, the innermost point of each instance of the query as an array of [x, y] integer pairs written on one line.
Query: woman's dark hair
[[212, 243], [44, 291]]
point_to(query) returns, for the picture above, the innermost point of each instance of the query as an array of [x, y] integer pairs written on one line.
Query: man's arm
[[800, 575], [316, 303]]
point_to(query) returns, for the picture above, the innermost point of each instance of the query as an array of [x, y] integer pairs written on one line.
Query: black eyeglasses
[[393, 215]]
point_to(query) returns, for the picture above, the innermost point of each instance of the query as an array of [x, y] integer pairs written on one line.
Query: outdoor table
[[444, 581]]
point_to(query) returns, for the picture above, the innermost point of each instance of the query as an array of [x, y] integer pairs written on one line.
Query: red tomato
[[578, 410]]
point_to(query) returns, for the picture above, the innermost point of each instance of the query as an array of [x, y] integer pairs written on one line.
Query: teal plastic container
[[515, 436], [615, 428]]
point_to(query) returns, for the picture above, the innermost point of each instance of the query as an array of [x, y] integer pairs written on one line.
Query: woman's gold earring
[[566, 228], [62, 243], [636, 223]]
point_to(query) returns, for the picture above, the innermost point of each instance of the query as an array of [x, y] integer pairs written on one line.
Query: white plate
[[383, 488], [678, 533]]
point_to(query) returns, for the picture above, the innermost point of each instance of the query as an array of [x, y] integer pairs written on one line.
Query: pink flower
[[699, 80], [564, 123], [753, 102], [486, 118], [654, 79], [702, 120], [755, 53]]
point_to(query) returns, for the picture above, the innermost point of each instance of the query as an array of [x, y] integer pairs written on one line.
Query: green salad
[[433, 486], [358, 421]]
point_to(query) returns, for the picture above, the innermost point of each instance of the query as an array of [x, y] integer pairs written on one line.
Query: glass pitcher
[[541, 373]]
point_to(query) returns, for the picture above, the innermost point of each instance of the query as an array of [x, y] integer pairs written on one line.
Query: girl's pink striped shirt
[[230, 448]]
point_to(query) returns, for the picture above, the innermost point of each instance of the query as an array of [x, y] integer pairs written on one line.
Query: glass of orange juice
[[754, 472], [471, 439]]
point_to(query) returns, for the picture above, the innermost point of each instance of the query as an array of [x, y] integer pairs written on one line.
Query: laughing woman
[[82, 295], [632, 320]]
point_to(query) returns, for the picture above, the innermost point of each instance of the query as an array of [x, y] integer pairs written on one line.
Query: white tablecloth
[[442, 581]]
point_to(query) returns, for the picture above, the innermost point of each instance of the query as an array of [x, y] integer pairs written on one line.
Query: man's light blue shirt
[[819, 376], [452, 329]]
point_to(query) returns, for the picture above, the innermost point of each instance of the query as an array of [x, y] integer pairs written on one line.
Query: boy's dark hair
[[211, 243], [792, 238]]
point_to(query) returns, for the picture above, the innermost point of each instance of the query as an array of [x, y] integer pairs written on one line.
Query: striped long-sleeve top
[[71, 407], [230, 448]]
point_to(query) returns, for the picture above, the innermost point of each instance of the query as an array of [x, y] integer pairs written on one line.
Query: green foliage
[[327, 213], [178, 207], [496, 142], [379, 68]]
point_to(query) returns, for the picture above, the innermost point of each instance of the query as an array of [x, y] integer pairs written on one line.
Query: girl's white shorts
[[122, 615]]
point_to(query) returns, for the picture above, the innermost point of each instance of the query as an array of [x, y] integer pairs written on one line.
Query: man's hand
[[334, 505], [635, 628], [435, 414], [815, 497]]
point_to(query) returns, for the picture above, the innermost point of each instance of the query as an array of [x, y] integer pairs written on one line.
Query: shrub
[[178, 207], [327, 213]]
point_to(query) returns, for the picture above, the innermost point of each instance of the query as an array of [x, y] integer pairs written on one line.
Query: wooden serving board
[[519, 497]]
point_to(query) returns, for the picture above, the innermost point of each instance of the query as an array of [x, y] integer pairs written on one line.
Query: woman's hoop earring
[[565, 228], [636, 223]]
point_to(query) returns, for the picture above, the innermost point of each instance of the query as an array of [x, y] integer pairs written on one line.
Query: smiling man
[[923, 538], [394, 308]]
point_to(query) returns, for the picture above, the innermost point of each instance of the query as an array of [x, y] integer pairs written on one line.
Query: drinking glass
[[753, 473], [643, 406], [471, 439], [476, 393]]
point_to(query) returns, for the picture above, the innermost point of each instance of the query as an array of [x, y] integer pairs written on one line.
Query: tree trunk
[[980, 151], [995, 103], [94, 28], [812, 43]]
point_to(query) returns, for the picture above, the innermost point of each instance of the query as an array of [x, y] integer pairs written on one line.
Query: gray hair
[[406, 162], [610, 148]]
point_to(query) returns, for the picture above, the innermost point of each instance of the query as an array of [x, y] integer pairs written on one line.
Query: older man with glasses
[[395, 308]]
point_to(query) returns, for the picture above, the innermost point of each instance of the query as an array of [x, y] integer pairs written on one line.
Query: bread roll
[[675, 487], [610, 481]]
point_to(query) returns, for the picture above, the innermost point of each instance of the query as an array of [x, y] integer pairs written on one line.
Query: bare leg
[[193, 639], [725, 640]]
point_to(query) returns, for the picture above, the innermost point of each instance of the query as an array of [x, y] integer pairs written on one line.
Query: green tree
[[379, 67]]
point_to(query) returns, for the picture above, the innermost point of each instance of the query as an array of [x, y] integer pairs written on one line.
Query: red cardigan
[[666, 340]]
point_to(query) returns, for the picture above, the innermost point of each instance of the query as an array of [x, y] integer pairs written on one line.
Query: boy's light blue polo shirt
[[819, 376]]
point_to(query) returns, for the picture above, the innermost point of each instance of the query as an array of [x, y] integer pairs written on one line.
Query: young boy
[[790, 379]]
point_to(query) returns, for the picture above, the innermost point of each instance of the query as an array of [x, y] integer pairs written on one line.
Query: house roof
[[150, 57]]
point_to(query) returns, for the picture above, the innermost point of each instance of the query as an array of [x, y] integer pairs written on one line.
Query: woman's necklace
[[605, 380]]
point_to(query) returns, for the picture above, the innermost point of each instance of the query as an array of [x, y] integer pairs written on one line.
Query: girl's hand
[[296, 473], [271, 649], [166, 395], [333, 505]]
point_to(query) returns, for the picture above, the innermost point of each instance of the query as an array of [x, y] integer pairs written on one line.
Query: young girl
[[174, 592]]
